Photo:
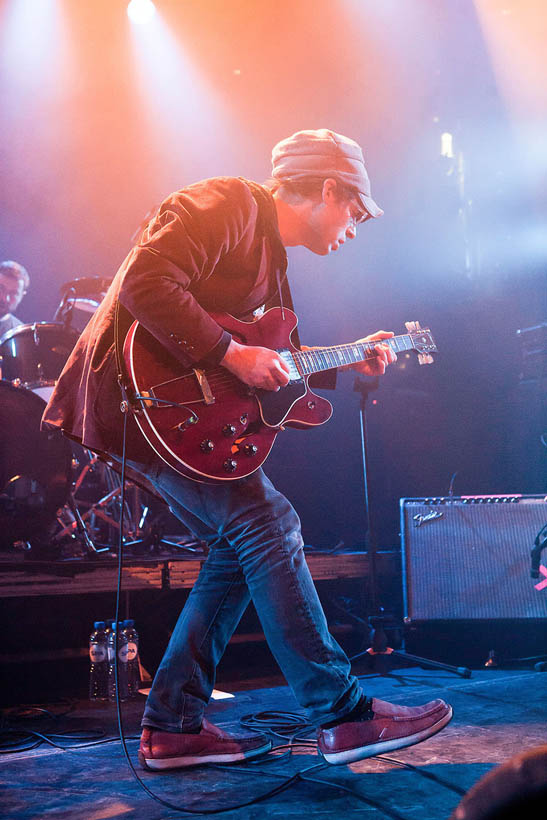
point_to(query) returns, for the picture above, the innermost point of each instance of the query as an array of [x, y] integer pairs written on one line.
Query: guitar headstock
[[422, 342]]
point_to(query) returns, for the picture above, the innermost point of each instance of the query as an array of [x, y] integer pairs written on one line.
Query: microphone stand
[[379, 648]]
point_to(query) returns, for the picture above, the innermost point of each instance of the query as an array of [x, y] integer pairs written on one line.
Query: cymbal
[[85, 287], [80, 303]]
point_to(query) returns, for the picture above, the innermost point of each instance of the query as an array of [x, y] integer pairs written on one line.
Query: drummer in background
[[14, 283]]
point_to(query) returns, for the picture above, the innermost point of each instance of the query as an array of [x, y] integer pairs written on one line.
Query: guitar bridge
[[204, 386]]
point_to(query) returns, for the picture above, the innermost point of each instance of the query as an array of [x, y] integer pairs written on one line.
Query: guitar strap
[[281, 295], [283, 298]]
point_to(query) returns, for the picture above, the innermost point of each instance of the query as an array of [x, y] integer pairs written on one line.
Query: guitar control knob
[[250, 449], [207, 446], [228, 430], [230, 465]]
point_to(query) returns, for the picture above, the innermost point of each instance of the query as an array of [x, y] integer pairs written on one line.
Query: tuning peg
[[413, 327], [425, 358]]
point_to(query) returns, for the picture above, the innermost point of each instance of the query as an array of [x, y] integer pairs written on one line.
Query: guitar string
[[223, 381], [310, 359], [220, 377]]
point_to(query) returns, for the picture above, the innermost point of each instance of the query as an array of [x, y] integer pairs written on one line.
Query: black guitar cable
[[291, 722], [126, 408]]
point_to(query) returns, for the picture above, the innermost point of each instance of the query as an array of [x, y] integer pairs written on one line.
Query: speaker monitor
[[468, 557]]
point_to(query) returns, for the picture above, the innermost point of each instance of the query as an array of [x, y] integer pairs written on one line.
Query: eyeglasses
[[357, 213]]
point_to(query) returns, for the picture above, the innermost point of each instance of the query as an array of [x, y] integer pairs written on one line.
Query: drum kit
[[57, 499]]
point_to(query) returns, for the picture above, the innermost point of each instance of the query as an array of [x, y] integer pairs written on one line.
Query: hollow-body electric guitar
[[209, 425]]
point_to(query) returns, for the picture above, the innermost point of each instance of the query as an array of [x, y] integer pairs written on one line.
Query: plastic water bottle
[[122, 663], [132, 650], [98, 656], [107, 632]]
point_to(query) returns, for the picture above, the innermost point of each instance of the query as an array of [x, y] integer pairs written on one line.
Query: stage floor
[[497, 714]]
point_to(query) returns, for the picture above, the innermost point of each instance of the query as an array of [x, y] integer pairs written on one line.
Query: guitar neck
[[325, 358]]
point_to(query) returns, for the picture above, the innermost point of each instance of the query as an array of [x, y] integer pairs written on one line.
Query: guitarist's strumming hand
[[256, 366]]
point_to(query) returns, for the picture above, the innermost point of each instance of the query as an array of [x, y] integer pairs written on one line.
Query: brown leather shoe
[[172, 750], [390, 727]]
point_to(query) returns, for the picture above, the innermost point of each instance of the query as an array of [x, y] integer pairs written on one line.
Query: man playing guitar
[[218, 246]]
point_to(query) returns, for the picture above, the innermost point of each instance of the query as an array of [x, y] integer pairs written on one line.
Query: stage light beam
[[141, 11], [447, 149]]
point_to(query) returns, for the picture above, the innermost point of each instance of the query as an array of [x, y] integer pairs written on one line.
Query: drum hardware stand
[[99, 509], [135, 515], [379, 650], [78, 521], [82, 529], [63, 313]]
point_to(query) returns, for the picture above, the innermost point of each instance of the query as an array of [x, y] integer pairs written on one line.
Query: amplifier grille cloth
[[473, 562]]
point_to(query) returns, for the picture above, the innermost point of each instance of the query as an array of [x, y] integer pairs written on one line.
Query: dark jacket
[[214, 246]]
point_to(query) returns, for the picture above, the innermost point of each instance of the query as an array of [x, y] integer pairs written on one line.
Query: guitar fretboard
[[325, 358]]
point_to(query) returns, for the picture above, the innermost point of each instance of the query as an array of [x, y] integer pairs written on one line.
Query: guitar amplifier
[[468, 557]]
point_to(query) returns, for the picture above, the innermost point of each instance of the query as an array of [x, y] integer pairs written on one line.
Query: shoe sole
[[361, 753], [160, 764]]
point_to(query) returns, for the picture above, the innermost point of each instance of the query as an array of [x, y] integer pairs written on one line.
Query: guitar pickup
[[204, 386]]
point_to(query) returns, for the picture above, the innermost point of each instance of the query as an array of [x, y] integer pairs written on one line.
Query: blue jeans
[[256, 553]]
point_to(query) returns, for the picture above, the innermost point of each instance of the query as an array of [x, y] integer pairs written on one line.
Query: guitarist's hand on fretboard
[[256, 366], [384, 355]]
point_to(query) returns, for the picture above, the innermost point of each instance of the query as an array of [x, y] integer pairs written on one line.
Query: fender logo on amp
[[423, 519]]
